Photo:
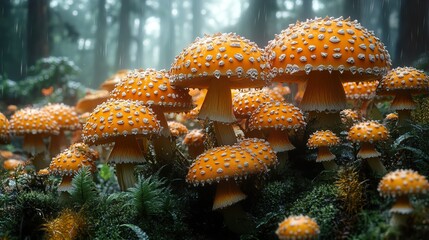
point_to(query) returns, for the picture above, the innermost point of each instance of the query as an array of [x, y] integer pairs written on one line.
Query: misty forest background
[[103, 36]]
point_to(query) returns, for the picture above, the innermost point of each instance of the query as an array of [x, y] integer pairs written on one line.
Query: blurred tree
[[413, 31], [141, 8], [100, 64], [37, 30], [255, 22], [197, 20], [306, 11], [124, 36], [352, 9], [167, 34], [384, 19]]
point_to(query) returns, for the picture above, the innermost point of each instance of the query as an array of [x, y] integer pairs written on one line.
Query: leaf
[[138, 231], [419, 153], [105, 172], [83, 187], [402, 138]]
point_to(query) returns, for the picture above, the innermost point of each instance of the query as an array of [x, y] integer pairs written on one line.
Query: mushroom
[[279, 91], [4, 129], [110, 83], [195, 142], [224, 165], [121, 121], [220, 62], [177, 129], [12, 164], [391, 119], [323, 52], [349, 117], [262, 150], [367, 133], [67, 120], [34, 125], [91, 100], [362, 93], [298, 227], [403, 82], [153, 89], [322, 140], [68, 162], [274, 119], [401, 184]]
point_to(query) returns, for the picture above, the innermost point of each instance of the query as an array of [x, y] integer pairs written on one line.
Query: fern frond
[[138, 231], [148, 196], [83, 187]]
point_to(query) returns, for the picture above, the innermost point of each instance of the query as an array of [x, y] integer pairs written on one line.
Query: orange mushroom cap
[[12, 164], [403, 182], [327, 44], [404, 79], [360, 90], [110, 83], [4, 128], [116, 118], [195, 137], [368, 132], [220, 57], [68, 162], [91, 100], [153, 89], [322, 139], [349, 116], [298, 227], [32, 121], [224, 163], [391, 117], [262, 150], [64, 115], [246, 102], [177, 129], [278, 115]]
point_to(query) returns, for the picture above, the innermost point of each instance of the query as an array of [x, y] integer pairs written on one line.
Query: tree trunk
[[197, 20], [352, 9], [140, 34], [124, 38], [413, 31], [167, 36], [37, 30], [306, 10], [384, 21], [100, 65]]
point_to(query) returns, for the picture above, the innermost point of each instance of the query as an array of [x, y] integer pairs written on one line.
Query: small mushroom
[[322, 140], [298, 227]]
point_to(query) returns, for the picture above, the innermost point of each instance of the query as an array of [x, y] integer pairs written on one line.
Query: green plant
[[83, 189]]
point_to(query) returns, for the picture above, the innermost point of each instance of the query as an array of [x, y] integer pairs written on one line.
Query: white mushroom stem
[[58, 143], [125, 154], [163, 146], [33, 143], [323, 92], [325, 156], [225, 134], [367, 150], [279, 141], [377, 167], [66, 183], [400, 211], [227, 194], [217, 105]]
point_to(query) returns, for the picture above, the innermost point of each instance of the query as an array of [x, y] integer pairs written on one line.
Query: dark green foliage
[[83, 187], [22, 215], [140, 234], [321, 204]]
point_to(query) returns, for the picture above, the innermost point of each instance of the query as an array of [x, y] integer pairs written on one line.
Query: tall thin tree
[[124, 36], [37, 30], [100, 64]]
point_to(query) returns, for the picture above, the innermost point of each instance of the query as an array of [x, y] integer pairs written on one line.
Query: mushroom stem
[[367, 150], [58, 143], [66, 183], [125, 175], [324, 154], [237, 220], [33, 143], [323, 92], [377, 167], [330, 165], [225, 134], [279, 141], [125, 154], [195, 149], [227, 194], [403, 101], [400, 211], [324, 121], [404, 117], [217, 105], [363, 109], [163, 146]]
